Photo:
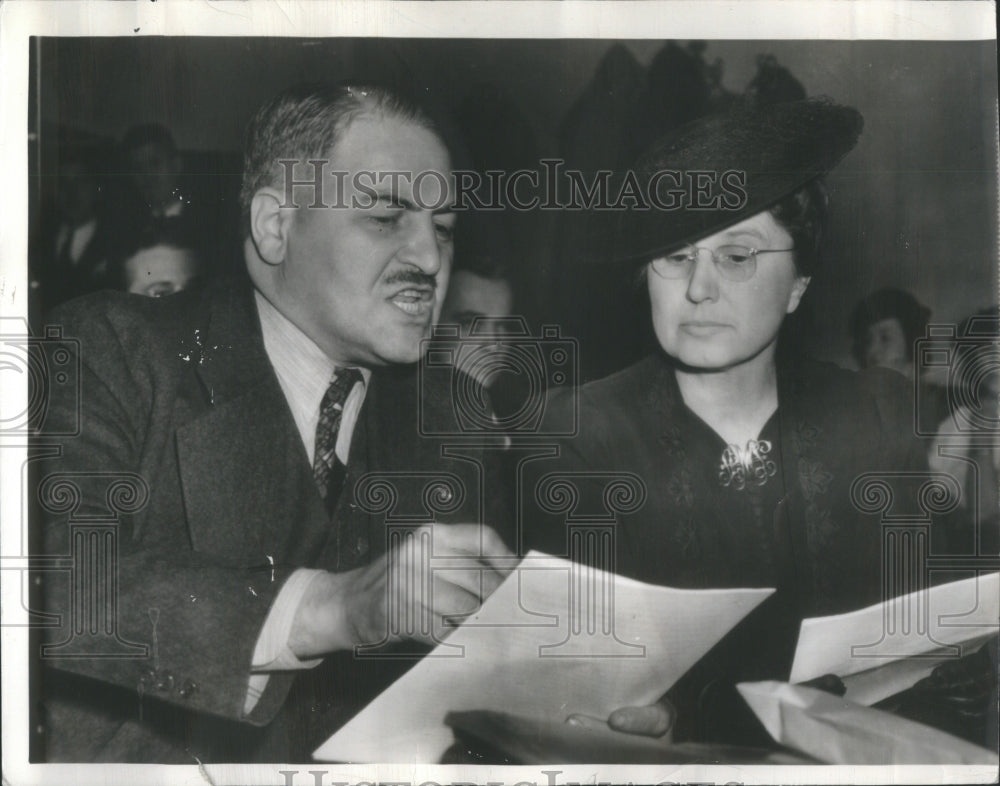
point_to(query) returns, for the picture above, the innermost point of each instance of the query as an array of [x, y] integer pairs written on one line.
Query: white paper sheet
[[837, 731], [520, 655], [924, 627]]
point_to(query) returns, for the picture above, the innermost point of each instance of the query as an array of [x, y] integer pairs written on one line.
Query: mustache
[[416, 277]]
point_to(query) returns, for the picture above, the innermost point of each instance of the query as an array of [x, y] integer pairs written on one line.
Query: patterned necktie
[[326, 472]]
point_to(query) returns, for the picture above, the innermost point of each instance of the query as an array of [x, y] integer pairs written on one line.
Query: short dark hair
[[887, 303], [306, 121], [802, 214], [169, 232]]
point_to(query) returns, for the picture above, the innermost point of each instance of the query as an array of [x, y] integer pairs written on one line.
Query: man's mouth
[[416, 302]]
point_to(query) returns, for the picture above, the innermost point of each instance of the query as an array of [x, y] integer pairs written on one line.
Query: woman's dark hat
[[725, 168]]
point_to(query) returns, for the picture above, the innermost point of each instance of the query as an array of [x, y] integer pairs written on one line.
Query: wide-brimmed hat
[[724, 168]]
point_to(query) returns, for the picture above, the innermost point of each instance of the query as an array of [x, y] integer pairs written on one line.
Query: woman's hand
[[654, 720]]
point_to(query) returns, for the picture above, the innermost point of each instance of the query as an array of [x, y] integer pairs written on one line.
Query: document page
[[555, 639], [904, 638]]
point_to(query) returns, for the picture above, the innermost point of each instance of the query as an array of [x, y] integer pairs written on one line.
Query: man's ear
[[799, 288], [269, 225]]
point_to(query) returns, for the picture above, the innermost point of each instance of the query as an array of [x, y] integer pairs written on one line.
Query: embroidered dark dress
[[799, 531]]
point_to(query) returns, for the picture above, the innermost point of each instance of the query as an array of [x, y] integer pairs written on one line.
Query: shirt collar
[[295, 356]]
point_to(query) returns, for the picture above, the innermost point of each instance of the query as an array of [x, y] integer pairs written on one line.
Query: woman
[[884, 327], [746, 452]]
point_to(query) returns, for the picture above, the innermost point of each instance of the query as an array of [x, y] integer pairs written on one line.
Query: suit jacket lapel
[[248, 487]]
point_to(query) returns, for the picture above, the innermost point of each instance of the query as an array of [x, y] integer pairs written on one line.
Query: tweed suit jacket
[[180, 393]]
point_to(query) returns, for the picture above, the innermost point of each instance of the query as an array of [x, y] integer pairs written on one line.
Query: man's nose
[[421, 248], [704, 282]]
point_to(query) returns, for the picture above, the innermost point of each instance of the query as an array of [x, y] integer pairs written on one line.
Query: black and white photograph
[[499, 392]]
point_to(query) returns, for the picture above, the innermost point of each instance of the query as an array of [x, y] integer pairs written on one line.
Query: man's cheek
[[439, 296]]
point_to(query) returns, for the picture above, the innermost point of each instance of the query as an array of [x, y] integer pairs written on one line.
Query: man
[[276, 430], [480, 303], [70, 255], [160, 193], [154, 168]]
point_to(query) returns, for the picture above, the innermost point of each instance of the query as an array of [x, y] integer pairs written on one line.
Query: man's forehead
[[382, 142]]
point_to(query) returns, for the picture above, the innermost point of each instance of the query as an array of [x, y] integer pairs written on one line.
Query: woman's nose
[[704, 283]]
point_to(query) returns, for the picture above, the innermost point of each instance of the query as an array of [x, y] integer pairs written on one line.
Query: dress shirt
[[304, 373], [76, 237]]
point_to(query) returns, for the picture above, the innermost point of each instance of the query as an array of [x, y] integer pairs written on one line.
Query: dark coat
[[180, 392], [55, 280], [799, 532]]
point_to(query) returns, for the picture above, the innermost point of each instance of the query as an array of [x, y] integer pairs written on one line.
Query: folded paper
[[837, 731], [887, 647]]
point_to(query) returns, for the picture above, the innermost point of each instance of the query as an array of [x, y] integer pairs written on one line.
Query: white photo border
[[702, 19]]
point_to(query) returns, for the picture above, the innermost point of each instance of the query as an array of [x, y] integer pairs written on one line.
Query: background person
[[967, 446], [161, 263], [161, 190], [480, 302], [885, 327], [74, 243], [155, 169]]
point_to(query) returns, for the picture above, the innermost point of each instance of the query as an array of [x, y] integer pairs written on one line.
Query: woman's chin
[[699, 363], [703, 359]]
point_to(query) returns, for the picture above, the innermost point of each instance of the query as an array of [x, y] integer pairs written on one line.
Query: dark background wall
[[915, 205]]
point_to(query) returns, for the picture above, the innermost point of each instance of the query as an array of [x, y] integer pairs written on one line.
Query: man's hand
[[654, 720], [398, 596]]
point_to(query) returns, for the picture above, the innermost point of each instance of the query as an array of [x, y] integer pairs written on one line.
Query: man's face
[[154, 171], [710, 323], [481, 301], [472, 297], [367, 284]]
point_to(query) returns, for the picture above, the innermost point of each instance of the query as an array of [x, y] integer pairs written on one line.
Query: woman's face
[[885, 345], [710, 323]]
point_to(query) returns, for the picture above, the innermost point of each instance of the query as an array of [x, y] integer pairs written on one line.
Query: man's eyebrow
[[394, 200]]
